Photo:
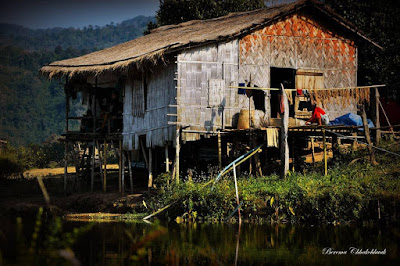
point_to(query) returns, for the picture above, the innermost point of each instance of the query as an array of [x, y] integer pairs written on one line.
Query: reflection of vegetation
[[195, 243], [348, 193], [49, 244]]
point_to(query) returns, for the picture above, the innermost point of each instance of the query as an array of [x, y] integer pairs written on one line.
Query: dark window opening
[[286, 76]]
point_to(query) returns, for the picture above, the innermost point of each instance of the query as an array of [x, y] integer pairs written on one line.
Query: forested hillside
[[31, 107]]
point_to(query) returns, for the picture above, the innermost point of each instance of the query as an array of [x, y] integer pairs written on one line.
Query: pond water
[[60, 242]]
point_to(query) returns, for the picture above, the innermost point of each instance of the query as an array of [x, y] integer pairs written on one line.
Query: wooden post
[[76, 165], [325, 156], [312, 150], [371, 150], [177, 151], [284, 146], [144, 153], [292, 153], [122, 159], [335, 146], [120, 170], [377, 121], [105, 167], [166, 158], [354, 144], [66, 104], [256, 157], [92, 168], [237, 192], [219, 151], [150, 183], [65, 165], [130, 171]]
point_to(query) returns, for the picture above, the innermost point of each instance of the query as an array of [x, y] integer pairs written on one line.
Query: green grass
[[350, 192]]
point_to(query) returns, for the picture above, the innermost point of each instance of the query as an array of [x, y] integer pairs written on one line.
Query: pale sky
[[73, 13]]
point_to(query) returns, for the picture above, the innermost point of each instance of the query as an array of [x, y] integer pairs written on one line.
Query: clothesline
[[321, 89]]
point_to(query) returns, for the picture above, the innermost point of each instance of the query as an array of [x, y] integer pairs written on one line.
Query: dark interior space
[[286, 76]]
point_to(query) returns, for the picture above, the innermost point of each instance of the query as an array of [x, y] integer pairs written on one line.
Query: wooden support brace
[[130, 171]]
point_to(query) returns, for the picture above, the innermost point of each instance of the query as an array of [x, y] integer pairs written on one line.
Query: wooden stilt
[[219, 151], [312, 150], [376, 118], [100, 163], [166, 158], [120, 170], [325, 156], [354, 144], [122, 158], [130, 171], [284, 135], [150, 183], [177, 151], [293, 161], [93, 163], [105, 167], [65, 165], [256, 157], [76, 165], [371, 150]]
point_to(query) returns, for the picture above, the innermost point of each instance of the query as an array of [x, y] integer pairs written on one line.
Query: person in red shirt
[[318, 116]]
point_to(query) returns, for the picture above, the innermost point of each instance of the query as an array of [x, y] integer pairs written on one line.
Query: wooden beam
[[142, 147]]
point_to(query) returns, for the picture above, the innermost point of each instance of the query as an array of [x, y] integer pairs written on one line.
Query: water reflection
[[120, 243]]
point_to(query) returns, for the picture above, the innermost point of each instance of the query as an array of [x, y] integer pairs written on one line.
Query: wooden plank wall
[[299, 42], [161, 94]]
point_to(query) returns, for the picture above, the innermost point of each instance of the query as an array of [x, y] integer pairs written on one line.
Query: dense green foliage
[[347, 193], [48, 154], [31, 107], [177, 11], [379, 20]]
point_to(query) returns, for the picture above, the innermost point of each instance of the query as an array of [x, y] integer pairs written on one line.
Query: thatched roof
[[171, 38]]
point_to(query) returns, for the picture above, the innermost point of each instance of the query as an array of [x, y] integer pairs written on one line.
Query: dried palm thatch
[[170, 39]]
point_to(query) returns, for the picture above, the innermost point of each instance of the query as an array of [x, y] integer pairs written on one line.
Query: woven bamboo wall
[[161, 94], [196, 69], [300, 43]]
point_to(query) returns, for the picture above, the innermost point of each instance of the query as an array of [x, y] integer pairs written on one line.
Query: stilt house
[[191, 76]]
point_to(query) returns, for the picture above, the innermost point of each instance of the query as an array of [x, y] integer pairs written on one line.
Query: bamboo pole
[[130, 171], [325, 156], [120, 173], [150, 183], [177, 151], [105, 167], [237, 192], [219, 151], [319, 89], [92, 168]]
